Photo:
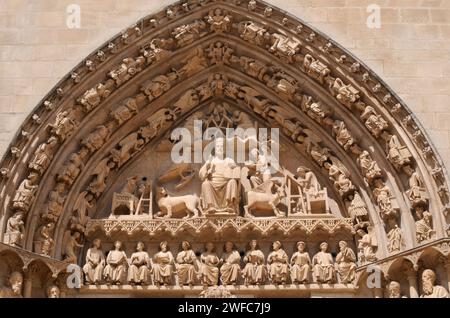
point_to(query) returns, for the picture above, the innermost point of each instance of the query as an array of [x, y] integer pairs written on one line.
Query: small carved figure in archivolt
[[71, 169], [343, 135], [347, 95], [373, 121], [253, 33], [63, 126], [366, 245], [220, 54], [43, 156], [417, 192], [315, 68], [219, 20], [156, 87], [129, 68], [100, 174], [340, 176], [14, 230], [384, 197], [127, 148], [369, 167], [24, 196], [398, 154], [424, 226], [94, 96], [188, 33], [125, 111], [97, 138]]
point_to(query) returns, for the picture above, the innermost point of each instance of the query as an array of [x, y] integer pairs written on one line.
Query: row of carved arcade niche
[[426, 275], [271, 259], [35, 280], [66, 122]]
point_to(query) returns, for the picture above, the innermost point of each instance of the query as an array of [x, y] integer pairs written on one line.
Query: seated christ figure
[[219, 185]]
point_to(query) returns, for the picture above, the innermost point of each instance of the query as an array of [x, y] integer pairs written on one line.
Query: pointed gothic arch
[[332, 110]]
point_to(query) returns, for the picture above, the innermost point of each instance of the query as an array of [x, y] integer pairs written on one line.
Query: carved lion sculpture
[[168, 205]]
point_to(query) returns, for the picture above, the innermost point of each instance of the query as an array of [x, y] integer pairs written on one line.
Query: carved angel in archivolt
[[24, 195], [71, 169], [343, 135], [63, 126], [127, 69], [194, 63], [373, 121], [384, 196], [219, 20], [315, 69], [368, 167], [97, 138], [340, 176], [43, 156], [188, 33], [220, 54], [100, 174], [127, 148], [417, 192], [347, 95], [94, 96]]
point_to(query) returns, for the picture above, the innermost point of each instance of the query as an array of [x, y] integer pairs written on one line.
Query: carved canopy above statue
[[98, 145]]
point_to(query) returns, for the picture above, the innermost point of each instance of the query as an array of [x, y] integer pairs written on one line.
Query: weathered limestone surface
[[410, 51]]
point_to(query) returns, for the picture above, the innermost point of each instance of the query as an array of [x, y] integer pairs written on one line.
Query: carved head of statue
[[209, 247], [253, 245], [163, 246], [228, 247], [342, 245], [117, 245], [219, 148], [276, 245], [33, 177], [301, 246], [408, 170], [301, 171], [419, 212], [53, 291], [16, 282], [140, 246], [394, 290], [324, 246], [427, 217], [185, 246], [97, 243], [428, 280]]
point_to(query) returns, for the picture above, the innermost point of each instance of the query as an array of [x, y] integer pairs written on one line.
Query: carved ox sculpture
[[257, 200]]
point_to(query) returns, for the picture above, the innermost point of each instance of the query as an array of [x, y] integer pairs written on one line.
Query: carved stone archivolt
[[358, 167]]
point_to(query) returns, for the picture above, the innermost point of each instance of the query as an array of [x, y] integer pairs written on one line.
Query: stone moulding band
[[219, 224]]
